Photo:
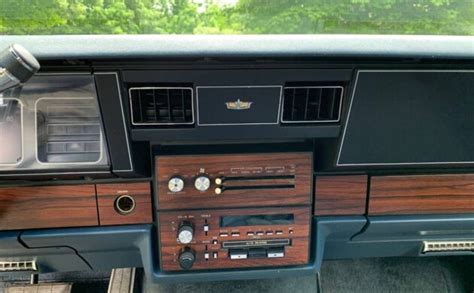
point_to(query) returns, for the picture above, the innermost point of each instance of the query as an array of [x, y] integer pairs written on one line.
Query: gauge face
[[202, 183], [176, 184], [185, 236]]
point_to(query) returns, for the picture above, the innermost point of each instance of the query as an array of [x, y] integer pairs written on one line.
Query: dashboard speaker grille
[[313, 104], [161, 105]]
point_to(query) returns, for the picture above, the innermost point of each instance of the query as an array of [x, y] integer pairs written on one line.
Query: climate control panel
[[237, 180], [234, 238]]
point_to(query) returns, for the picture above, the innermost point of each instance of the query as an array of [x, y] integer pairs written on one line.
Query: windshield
[[54, 17]]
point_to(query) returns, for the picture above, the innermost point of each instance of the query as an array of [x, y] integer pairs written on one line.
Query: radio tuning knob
[[202, 182], [175, 184], [185, 233], [186, 258], [219, 180], [218, 190]]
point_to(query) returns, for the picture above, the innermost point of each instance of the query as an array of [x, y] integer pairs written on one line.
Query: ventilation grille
[[312, 104], [12, 266], [69, 131], [162, 106], [447, 246]]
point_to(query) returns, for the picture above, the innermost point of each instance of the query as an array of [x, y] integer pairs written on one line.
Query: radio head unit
[[234, 238]]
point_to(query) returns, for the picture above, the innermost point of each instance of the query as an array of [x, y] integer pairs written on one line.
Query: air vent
[[68, 130], [315, 104], [12, 266], [162, 105]]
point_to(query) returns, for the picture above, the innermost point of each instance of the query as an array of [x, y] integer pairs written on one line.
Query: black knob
[[186, 258]]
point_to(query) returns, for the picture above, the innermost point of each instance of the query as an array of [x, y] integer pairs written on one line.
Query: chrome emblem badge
[[238, 105]]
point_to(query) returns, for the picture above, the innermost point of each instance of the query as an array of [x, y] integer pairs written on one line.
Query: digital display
[[257, 220]]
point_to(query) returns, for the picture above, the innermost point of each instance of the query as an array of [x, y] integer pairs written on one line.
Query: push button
[[276, 252], [238, 253]]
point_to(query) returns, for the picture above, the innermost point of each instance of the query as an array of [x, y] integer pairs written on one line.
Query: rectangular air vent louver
[[161, 105], [312, 104]]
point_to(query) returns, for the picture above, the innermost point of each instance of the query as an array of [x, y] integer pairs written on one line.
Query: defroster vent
[[312, 104], [161, 105]]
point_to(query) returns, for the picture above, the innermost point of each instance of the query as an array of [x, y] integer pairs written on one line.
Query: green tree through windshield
[[439, 17]]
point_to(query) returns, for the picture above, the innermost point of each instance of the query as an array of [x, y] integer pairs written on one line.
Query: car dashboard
[[236, 157]]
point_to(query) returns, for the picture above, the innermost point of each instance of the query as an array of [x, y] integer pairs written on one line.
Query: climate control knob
[[176, 184], [185, 233], [202, 183], [186, 258]]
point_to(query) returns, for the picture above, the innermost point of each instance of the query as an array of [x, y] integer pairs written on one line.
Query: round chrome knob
[[185, 233], [202, 183], [176, 184], [186, 258]]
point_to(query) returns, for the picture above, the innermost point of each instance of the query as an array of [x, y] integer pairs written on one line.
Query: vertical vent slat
[[161, 105], [312, 104]]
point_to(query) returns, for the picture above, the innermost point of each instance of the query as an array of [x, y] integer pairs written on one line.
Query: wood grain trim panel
[[108, 193], [423, 194], [295, 254], [299, 165], [48, 207], [340, 195]]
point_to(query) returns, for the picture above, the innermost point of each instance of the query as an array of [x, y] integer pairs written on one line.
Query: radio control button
[[206, 228], [175, 184], [218, 190], [223, 235], [260, 233], [250, 233], [186, 258], [185, 233], [279, 232], [235, 234], [215, 242], [214, 254], [206, 255], [276, 252], [202, 183], [269, 233], [218, 181], [238, 254]]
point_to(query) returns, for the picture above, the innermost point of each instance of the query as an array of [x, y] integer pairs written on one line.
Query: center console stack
[[234, 210]]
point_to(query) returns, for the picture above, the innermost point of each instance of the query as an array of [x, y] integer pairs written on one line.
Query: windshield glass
[[53, 17]]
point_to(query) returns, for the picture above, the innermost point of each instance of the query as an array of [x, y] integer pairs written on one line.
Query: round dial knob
[[202, 183], [175, 184], [185, 233], [186, 258]]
